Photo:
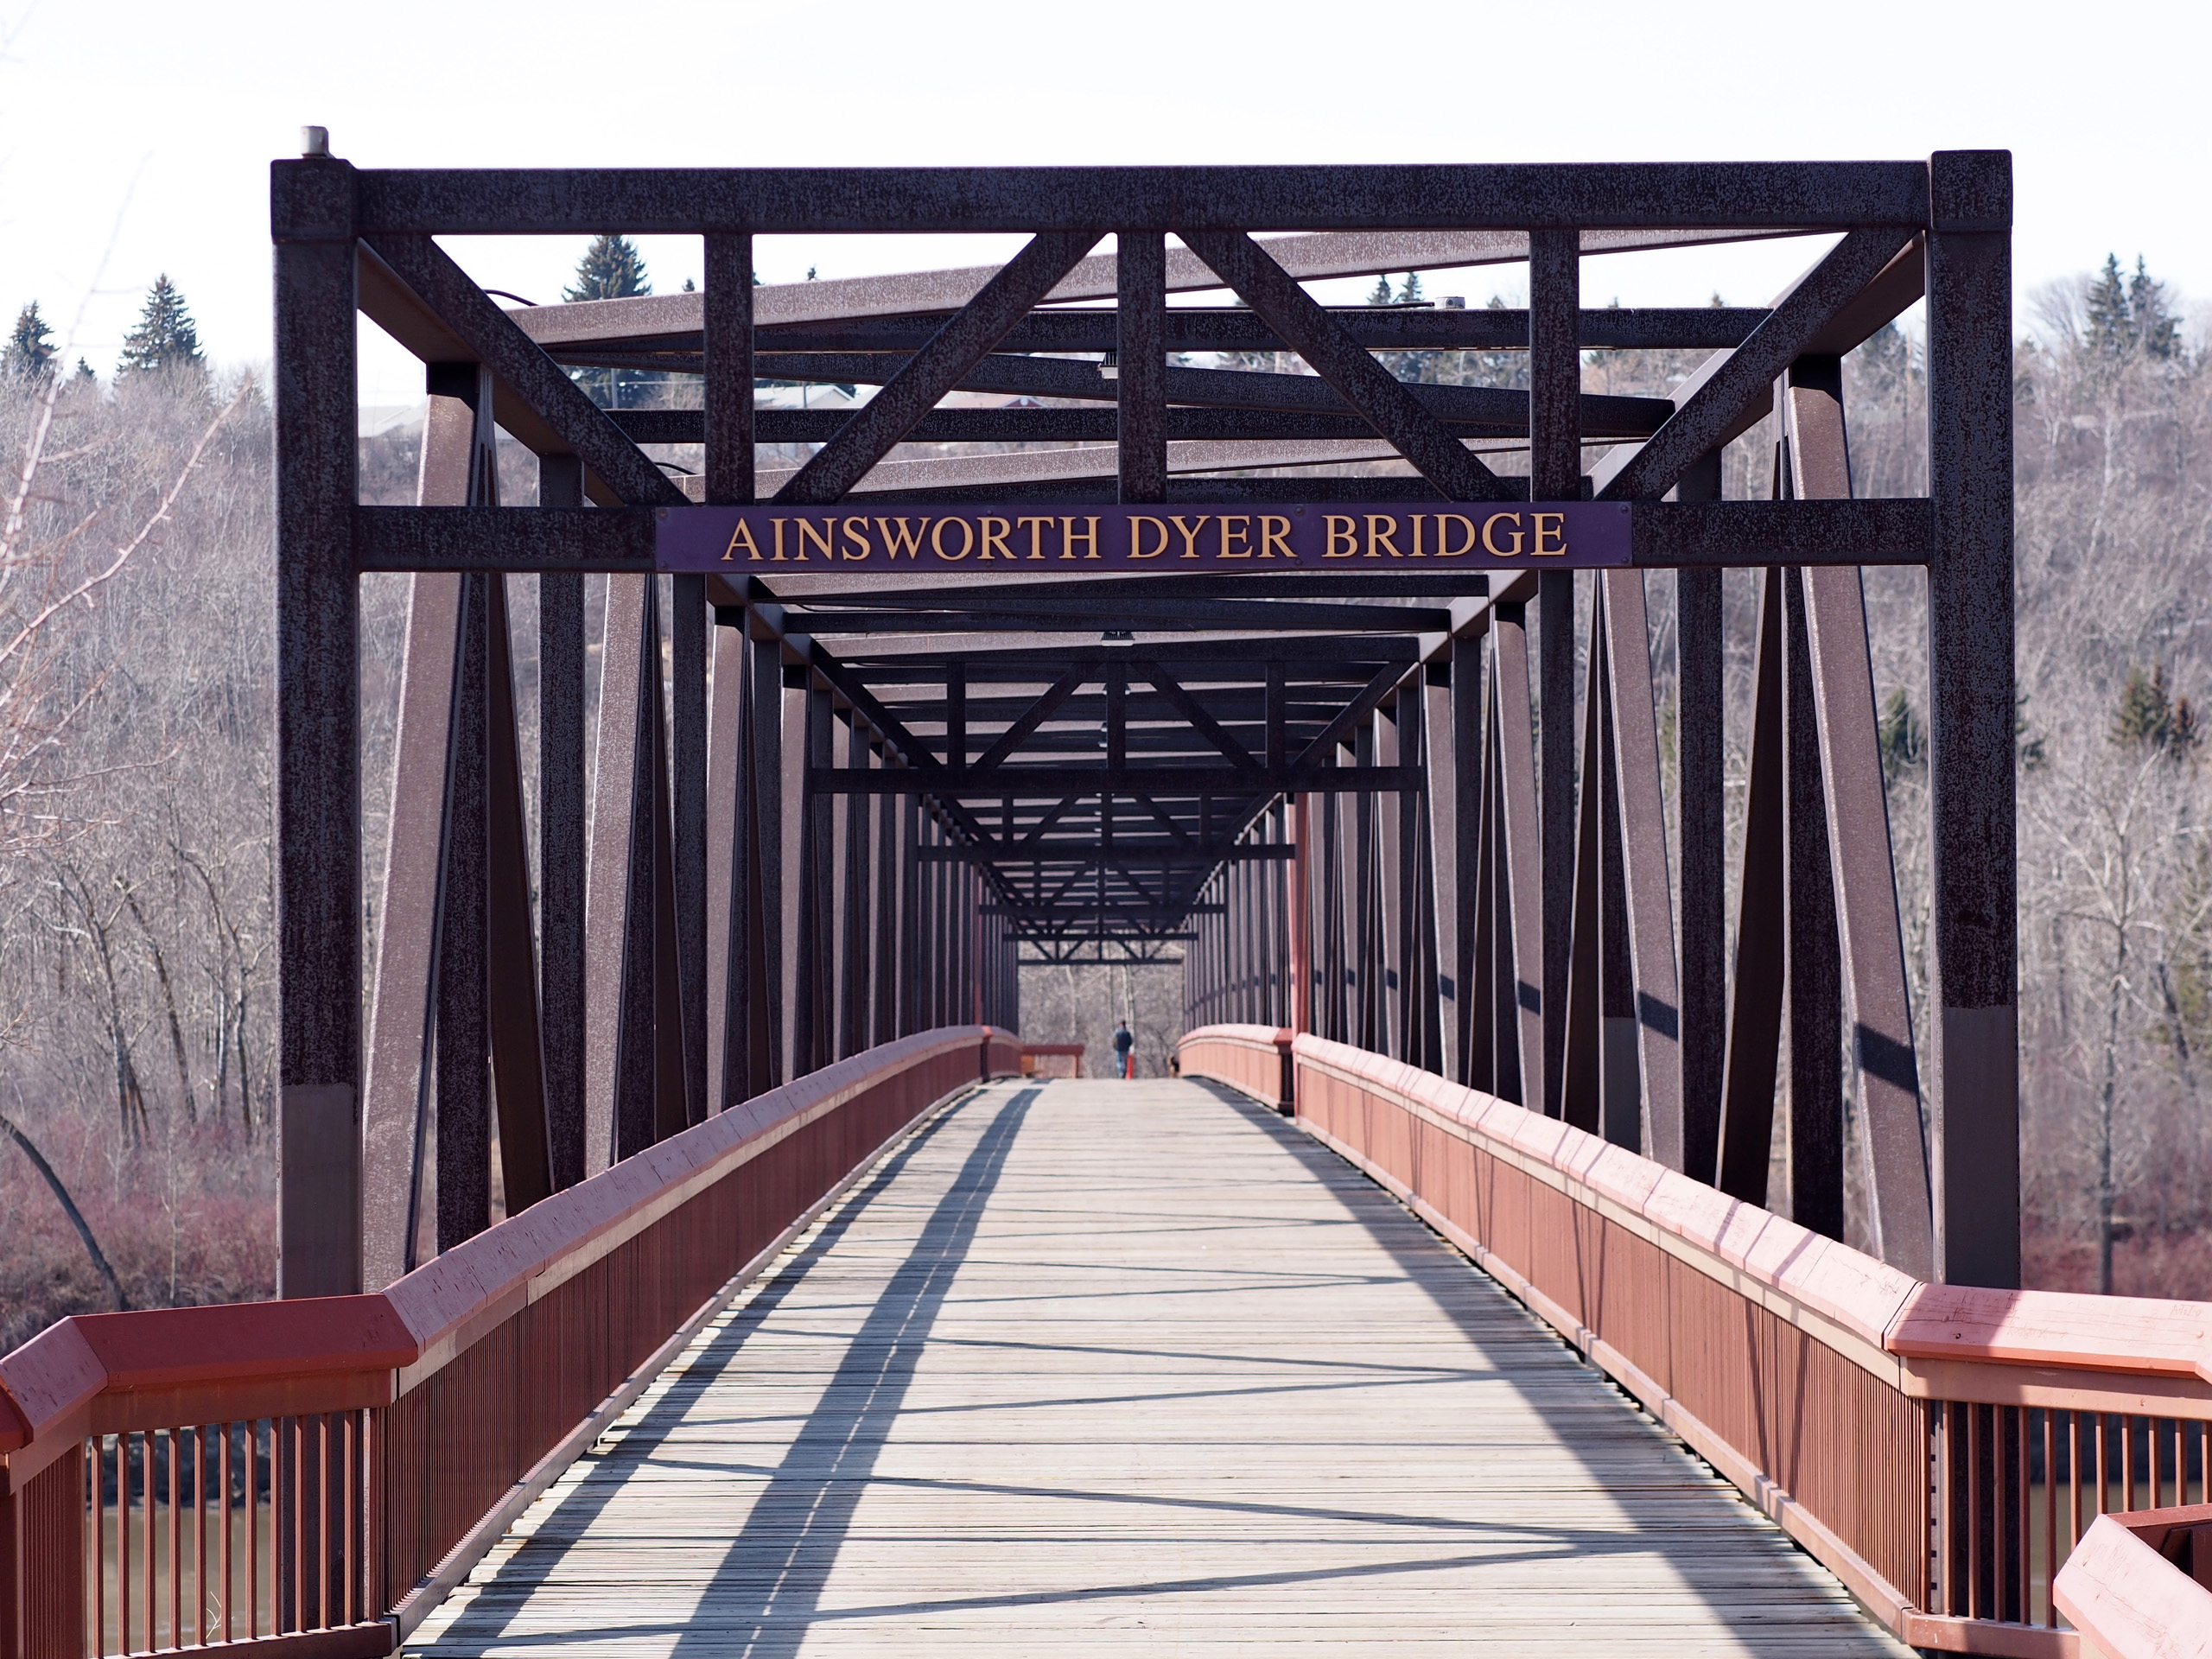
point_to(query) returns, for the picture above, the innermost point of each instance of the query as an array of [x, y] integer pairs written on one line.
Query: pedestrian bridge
[[677, 1252]]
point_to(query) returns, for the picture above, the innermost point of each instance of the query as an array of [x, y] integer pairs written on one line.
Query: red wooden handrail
[[2140, 1586], [1649, 1272], [328, 1377]]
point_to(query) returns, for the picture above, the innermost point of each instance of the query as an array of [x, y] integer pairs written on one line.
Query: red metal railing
[[1940, 1448], [2140, 1585], [1051, 1059], [1255, 1060], [315, 1476]]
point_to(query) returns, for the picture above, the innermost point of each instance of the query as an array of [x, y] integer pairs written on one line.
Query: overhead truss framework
[[827, 810]]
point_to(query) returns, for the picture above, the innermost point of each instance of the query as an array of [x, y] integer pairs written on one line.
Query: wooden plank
[[1114, 1366]]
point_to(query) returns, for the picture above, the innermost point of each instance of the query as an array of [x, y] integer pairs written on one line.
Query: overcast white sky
[[140, 132]]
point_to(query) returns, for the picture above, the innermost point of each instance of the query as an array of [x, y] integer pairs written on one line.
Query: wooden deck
[[1102, 1367]]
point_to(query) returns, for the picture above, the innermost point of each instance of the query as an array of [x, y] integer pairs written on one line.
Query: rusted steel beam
[[1814, 992], [1582, 1083], [1140, 345], [397, 1095], [517, 1051], [1971, 715], [318, 851], [563, 848], [1554, 869], [1701, 768], [1189, 329], [1736, 381], [460, 1036], [1475, 410], [955, 349], [687, 699], [1506, 196], [673, 319], [726, 420], [1348, 367], [1876, 1005], [1755, 1013], [1520, 920], [610, 989], [523, 369], [1035, 715], [1641, 829], [726, 792]]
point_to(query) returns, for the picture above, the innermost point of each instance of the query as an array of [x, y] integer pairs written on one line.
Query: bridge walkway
[[1100, 1367]]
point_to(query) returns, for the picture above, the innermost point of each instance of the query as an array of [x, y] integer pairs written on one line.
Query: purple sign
[[959, 540]]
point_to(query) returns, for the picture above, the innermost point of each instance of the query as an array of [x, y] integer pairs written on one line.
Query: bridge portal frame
[[724, 899]]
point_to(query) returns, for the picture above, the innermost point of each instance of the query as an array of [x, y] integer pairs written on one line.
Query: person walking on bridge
[[1125, 1050]]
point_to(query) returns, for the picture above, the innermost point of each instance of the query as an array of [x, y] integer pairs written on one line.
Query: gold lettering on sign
[[1444, 547], [1339, 528], [1551, 525], [1385, 536], [742, 537], [1239, 520], [1036, 529], [995, 537], [1274, 532], [820, 534], [777, 525], [967, 539], [1190, 533], [1489, 539], [1419, 552], [1069, 538], [856, 536], [1136, 536], [900, 539]]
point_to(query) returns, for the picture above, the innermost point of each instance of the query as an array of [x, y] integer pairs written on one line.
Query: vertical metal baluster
[[176, 1558], [322, 1521], [348, 1532], [2050, 1514], [199, 1535], [2000, 1533], [1974, 1512], [152, 1593], [98, 1554], [223, 1474], [2127, 1460], [2104, 1467]]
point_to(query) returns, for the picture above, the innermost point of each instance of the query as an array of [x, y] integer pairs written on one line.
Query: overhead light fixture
[[1117, 636], [1110, 366]]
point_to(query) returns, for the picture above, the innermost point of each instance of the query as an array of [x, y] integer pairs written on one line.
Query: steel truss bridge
[[715, 1003]]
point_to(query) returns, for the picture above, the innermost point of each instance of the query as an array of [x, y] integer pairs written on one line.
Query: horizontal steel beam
[[1056, 853], [769, 201], [1159, 783]]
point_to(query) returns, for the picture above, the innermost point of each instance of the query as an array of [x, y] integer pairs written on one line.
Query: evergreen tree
[[1409, 292], [2150, 717], [612, 269], [2156, 329], [2105, 311], [165, 337], [30, 350], [2126, 314], [1380, 294]]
